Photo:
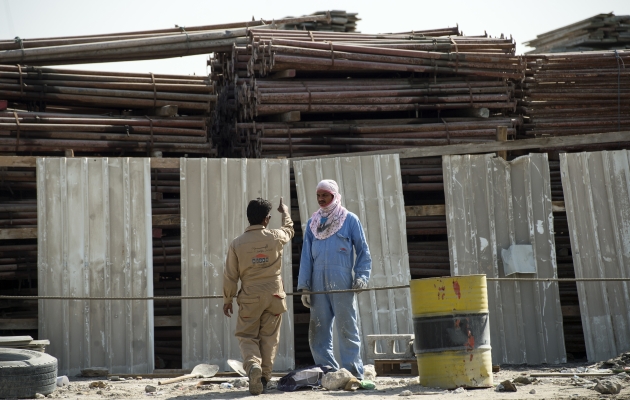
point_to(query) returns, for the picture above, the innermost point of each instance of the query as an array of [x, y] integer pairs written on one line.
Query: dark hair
[[257, 211]]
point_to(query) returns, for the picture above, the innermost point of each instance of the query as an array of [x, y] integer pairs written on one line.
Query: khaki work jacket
[[255, 258]]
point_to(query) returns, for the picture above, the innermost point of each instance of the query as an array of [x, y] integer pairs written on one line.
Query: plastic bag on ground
[[301, 378]]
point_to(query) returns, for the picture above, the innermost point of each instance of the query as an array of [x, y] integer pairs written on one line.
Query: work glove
[[306, 300], [359, 283]]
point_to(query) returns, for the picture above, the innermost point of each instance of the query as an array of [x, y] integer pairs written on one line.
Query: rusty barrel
[[452, 331]]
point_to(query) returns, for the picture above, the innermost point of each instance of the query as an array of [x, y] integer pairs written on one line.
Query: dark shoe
[[255, 383], [264, 382]]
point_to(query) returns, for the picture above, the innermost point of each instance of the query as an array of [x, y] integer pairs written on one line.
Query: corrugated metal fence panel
[[214, 198], [492, 204], [371, 187], [94, 239], [597, 199]]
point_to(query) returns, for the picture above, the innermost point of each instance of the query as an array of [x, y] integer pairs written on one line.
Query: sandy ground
[[386, 387]]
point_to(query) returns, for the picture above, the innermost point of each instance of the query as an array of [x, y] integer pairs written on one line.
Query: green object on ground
[[368, 385]]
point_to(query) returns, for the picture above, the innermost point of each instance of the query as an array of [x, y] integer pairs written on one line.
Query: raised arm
[[286, 232]]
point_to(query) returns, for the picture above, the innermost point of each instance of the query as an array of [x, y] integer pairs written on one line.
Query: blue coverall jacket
[[329, 265]]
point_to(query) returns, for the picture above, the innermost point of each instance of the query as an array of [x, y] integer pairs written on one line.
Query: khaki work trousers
[[258, 329]]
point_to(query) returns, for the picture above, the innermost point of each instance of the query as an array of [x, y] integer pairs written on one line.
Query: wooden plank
[[551, 142], [174, 220], [17, 161], [18, 323], [30, 161], [167, 320], [167, 220], [423, 211], [18, 233], [440, 209], [157, 162]]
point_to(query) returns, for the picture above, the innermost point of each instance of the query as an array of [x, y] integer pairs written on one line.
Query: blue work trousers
[[340, 308]]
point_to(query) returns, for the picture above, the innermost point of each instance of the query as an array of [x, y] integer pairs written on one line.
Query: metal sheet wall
[[490, 205], [214, 198], [371, 188], [597, 199], [94, 239]]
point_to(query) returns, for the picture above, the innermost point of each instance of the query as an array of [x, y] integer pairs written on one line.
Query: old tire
[[23, 373]]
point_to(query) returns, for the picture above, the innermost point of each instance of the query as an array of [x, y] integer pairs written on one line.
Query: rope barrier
[[203, 297]]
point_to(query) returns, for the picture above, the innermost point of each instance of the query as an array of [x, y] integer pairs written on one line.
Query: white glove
[[306, 300], [359, 283]]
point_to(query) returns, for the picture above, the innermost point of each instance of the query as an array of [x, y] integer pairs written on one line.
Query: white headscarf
[[327, 221]]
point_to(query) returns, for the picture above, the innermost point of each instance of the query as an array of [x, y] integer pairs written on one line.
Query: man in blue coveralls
[[333, 235]]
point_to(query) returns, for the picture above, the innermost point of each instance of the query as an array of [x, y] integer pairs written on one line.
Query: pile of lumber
[[601, 32], [575, 93]]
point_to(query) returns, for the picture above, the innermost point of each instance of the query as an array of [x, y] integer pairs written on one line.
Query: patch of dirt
[[570, 388]]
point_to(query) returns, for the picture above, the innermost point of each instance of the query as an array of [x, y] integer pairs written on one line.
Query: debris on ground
[[336, 380], [620, 363], [369, 372], [523, 380], [240, 383], [205, 387], [506, 386], [98, 384], [352, 385], [62, 381], [608, 386], [511, 377]]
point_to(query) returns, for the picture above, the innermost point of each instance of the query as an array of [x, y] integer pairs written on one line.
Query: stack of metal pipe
[[600, 32], [132, 46], [318, 96], [575, 93], [340, 21], [270, 51], [44, 133], [300, 139], [330, 77], [111, 91]]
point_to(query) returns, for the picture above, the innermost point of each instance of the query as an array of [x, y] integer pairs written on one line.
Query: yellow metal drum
[[452, 331]]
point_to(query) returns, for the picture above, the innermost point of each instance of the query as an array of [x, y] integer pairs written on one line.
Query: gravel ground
[[386, 387]]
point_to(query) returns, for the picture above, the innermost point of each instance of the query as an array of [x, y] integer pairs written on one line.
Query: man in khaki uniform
[[255, 258]]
